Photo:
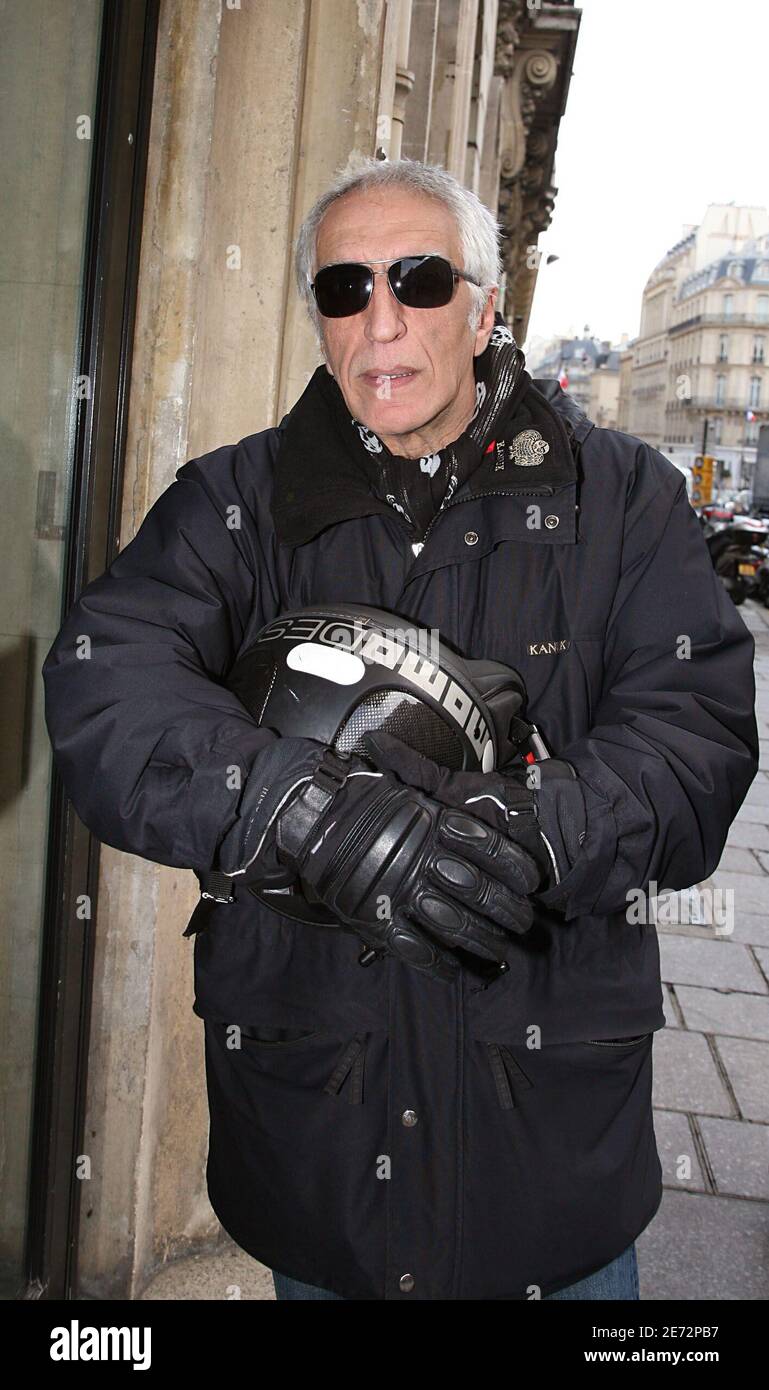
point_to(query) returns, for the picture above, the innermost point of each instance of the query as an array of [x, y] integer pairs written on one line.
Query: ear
[[324, 354], [486, 322]]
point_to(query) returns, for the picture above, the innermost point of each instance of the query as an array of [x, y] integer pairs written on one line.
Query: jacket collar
[[313, 491]]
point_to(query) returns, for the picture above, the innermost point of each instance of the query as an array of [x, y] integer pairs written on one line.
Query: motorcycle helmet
[[334, 672]]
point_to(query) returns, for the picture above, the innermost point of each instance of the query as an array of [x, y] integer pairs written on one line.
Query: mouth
[[392, 381]]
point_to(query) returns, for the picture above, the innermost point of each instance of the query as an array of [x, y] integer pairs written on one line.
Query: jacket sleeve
[[673, 746], [153, 751]]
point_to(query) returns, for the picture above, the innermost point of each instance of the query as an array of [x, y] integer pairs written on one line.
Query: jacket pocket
[[511, 1081], [278, 1037], [317, 1059], [509, 1077]]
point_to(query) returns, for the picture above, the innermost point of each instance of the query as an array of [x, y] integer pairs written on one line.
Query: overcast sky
[[666, 112]]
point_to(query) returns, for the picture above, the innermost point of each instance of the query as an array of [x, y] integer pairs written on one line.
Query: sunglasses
[[419, 282]]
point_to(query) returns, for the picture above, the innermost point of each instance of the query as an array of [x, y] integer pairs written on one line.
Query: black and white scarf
[[418, 488]]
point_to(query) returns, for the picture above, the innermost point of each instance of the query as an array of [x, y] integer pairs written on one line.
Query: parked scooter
[[738, 550], [760, 590]]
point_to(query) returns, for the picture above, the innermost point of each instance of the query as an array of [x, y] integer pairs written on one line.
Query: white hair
[[478, 230]]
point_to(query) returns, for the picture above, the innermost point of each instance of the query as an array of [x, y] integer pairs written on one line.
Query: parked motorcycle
[[760, 590], [738, 551]]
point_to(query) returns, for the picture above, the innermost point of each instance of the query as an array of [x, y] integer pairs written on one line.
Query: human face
[[420, 413]]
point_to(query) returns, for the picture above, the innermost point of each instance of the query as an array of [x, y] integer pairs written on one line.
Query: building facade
[[588, 368], [718, 388], [697, 378]]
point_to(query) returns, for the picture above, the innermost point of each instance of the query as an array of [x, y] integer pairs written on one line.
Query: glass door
[[74, 92]]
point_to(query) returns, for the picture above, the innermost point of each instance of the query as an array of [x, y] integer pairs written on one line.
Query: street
[[711, 1067]]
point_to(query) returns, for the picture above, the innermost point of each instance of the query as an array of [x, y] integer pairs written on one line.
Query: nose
[[384, 315]]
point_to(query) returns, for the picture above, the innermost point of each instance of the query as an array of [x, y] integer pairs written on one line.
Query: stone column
[[424, 29], [464, 69]]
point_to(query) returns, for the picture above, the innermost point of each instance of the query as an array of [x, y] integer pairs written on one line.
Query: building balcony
[[722, 320], [713, 403]]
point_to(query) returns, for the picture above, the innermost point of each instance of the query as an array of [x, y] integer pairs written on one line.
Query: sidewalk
[[710, 1238]]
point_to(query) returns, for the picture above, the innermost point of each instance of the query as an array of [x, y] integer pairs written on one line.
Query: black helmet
[[334, 672]]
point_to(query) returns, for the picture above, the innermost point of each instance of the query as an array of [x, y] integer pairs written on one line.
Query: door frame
[[120, 134]]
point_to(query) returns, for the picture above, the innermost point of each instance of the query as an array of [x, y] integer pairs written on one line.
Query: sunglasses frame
[[395, 260]]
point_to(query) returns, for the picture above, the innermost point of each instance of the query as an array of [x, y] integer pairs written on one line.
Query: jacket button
[[471, 537], [551, 521], [409, 1118], [406, 1283]]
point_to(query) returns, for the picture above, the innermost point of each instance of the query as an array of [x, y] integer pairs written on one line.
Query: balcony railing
[[727, 320], [713, 403]]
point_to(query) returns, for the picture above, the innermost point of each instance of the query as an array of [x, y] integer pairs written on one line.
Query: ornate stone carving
[[529, 60]]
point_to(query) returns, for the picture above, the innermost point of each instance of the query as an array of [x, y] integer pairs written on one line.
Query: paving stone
[[676, 1141], [751, 892], [692, 929], [738, 1154], [762, 956], [747, 835], [690, 912], [758, 793], [702, 1247], [750, 929], [668, 1007], [746, 1064], [750, 813], [686, 1076], [686, 960], [741, 861], [729, 1012]]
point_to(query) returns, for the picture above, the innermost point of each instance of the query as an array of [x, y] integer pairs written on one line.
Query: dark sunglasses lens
[[424, 282], [342, 289]]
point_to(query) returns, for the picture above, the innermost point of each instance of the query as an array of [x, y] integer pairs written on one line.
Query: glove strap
[[304, 812], [330, 774], [216, 885]]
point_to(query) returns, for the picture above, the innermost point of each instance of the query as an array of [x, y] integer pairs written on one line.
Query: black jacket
[[378, 1133]]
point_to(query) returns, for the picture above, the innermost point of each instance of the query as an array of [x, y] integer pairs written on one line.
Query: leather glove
[[411, 877], [539, 806], [247, 853]]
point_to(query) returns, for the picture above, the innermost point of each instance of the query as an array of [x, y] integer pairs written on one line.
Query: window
[[762, 308], [735, 270], [754, 396], [716, 429], [728, 305], [762, 271], [723, 347], [758, 349], [720, 389]]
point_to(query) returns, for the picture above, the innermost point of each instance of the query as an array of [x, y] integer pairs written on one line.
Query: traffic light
[[702, 480]]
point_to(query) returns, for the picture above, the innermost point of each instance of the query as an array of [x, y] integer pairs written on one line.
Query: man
[[410, 1130]]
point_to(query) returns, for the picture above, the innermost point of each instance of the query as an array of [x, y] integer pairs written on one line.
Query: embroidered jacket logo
[[548, 648]]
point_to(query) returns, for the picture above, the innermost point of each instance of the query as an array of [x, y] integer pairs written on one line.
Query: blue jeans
[[617, 1280]]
